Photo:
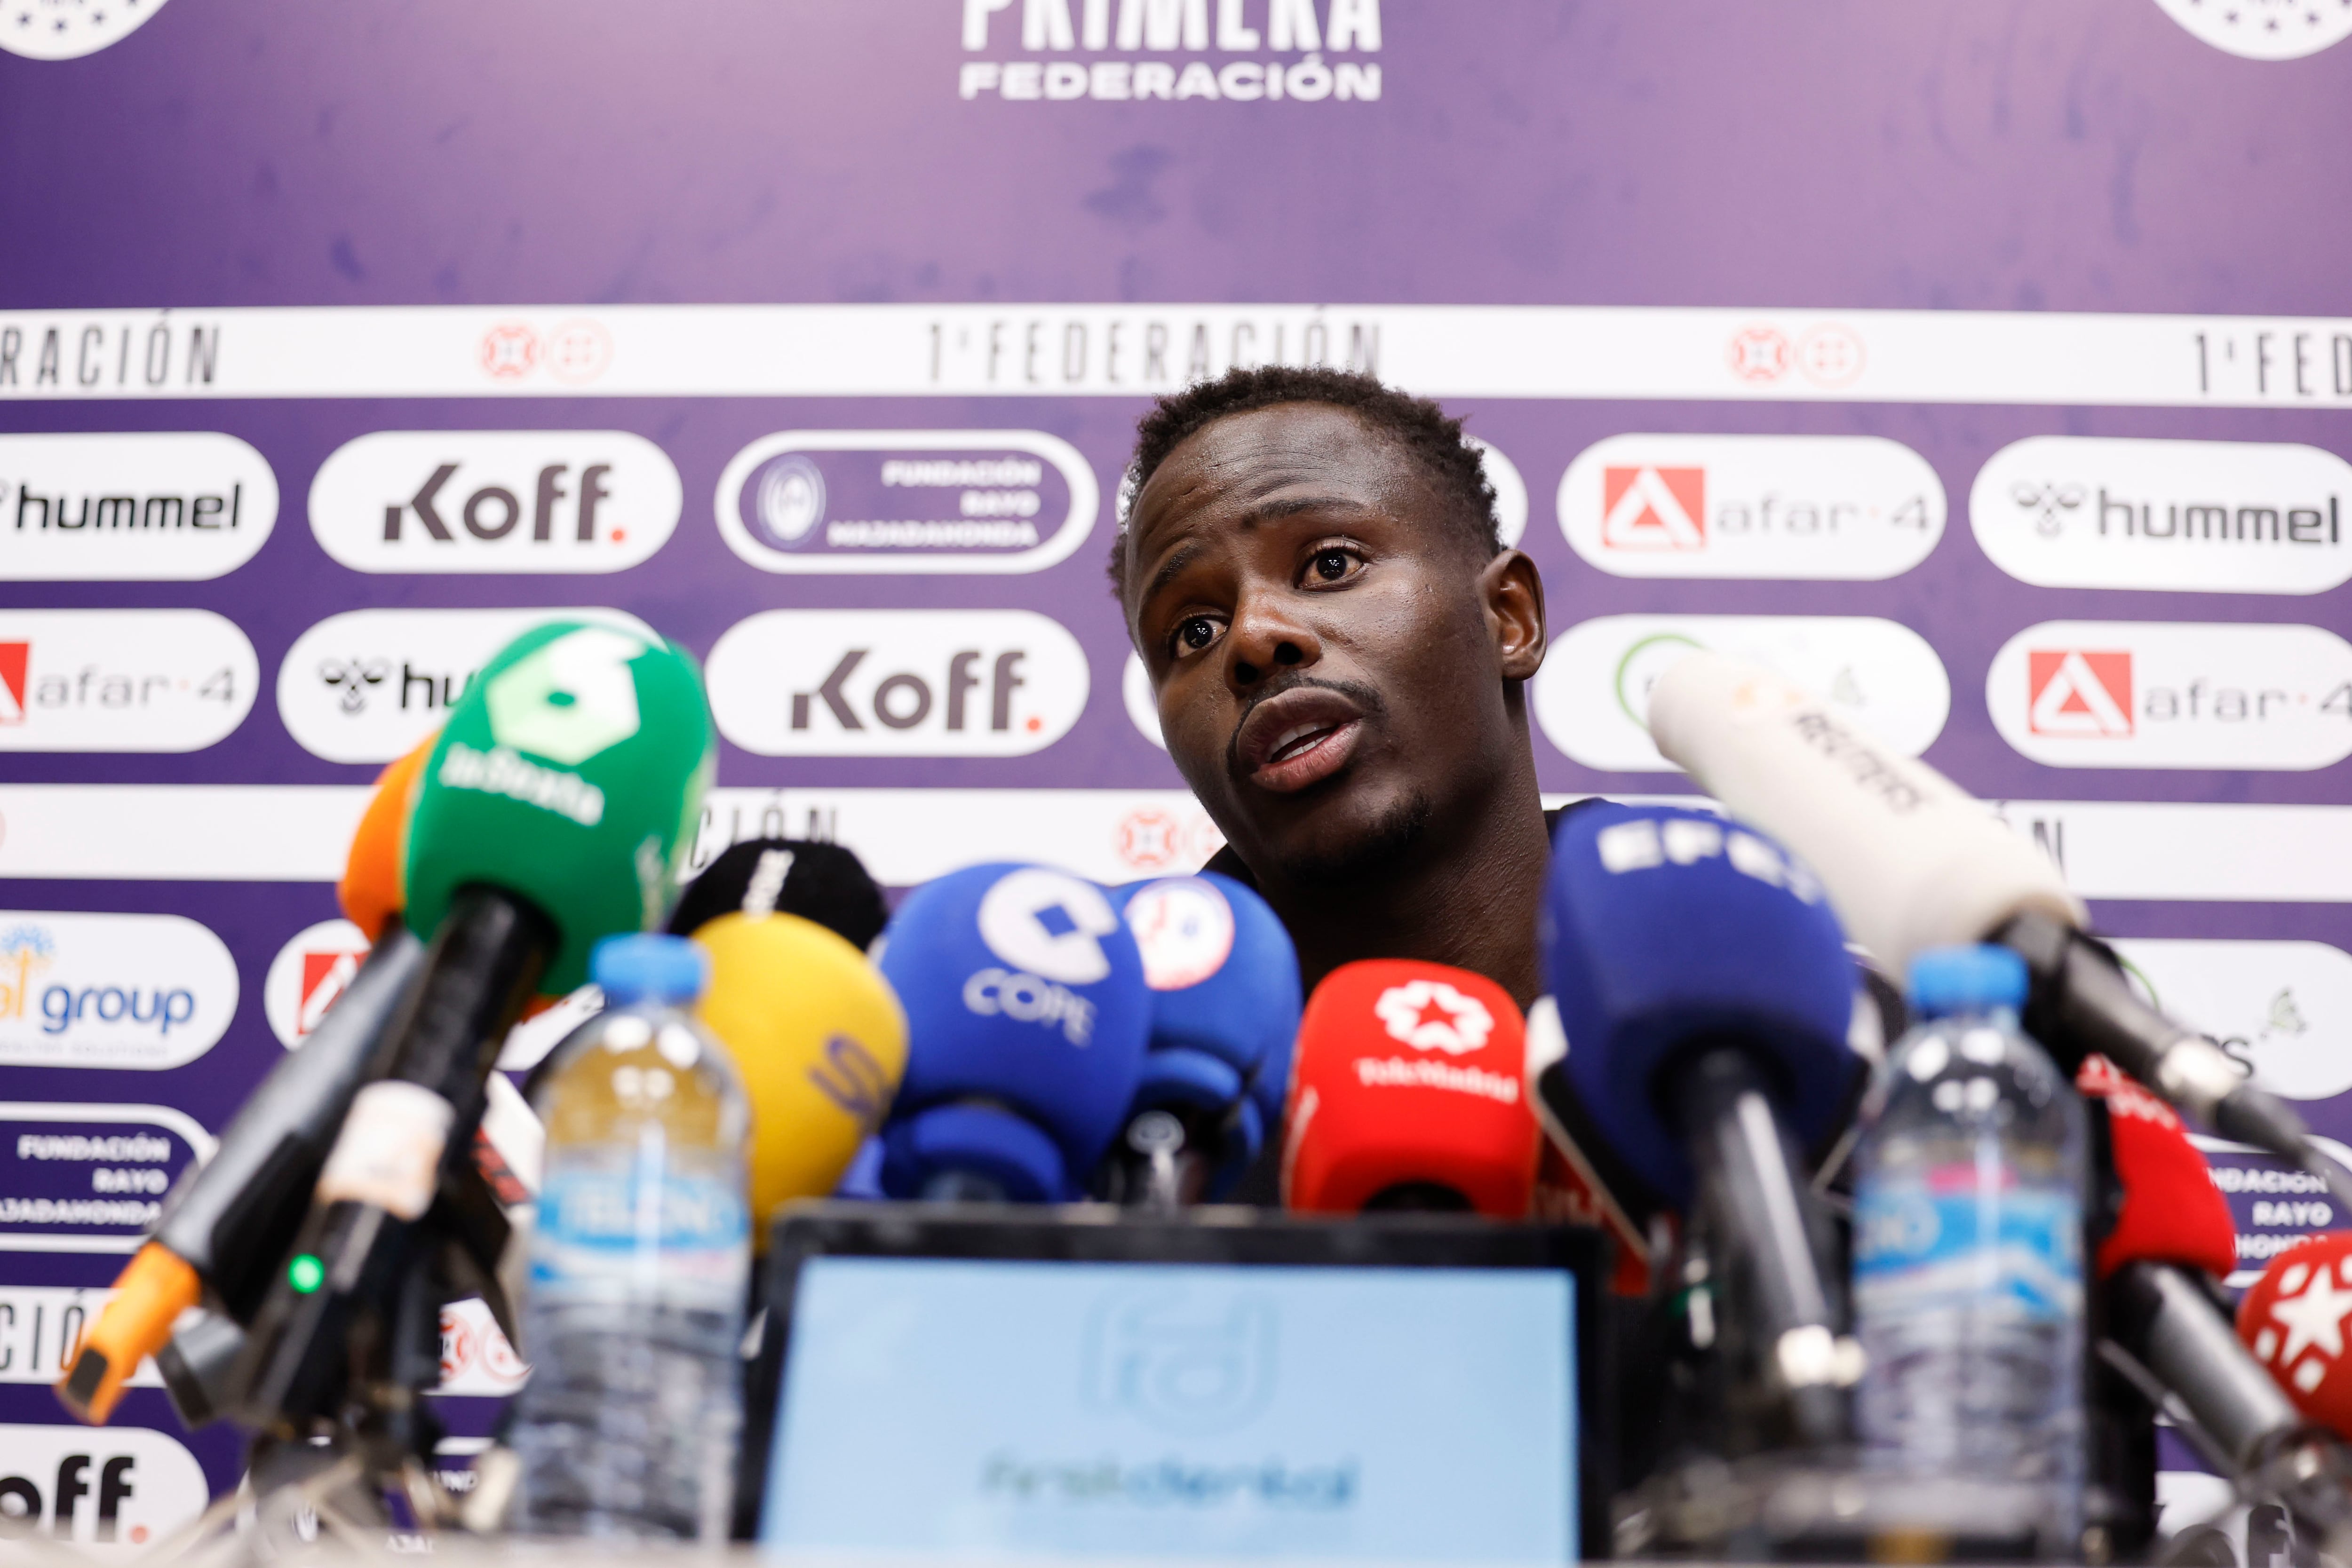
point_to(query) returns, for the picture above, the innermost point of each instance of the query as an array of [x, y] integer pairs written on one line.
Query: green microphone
[[556, 809]]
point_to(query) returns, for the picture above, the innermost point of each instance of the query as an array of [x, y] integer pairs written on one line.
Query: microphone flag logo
[[2315, 1297], [1184, 929], [1047, 922], [569, 699], [2072, 692], [1430, 1015]]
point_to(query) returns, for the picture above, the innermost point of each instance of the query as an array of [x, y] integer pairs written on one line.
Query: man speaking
[[1341, 646]]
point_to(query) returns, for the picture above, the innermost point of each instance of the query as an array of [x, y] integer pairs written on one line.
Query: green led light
[[305, 1273]]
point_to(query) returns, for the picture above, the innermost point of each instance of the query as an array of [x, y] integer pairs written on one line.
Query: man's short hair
[[1425, 430]]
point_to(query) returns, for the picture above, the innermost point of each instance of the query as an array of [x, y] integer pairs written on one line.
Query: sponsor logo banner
[[1674, 352], [2156, 693], [1820, 506], [121, 680], [41, 1329], [69, 29], [557, 501], [2191, 517], [132, 506], [111, 990], [1592, 695], [115, 1489], [896, 682], [368, 686], [307, 976], [1054, 27], [906, 501], [2284, 1008], [90, 1178]]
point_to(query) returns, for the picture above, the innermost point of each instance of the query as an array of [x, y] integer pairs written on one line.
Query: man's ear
[[1513, 592]]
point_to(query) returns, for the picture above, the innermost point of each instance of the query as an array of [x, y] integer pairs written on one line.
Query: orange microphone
[[1406, 1092]]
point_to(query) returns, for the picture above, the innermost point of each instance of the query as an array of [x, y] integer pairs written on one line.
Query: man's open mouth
[[1298, 738]]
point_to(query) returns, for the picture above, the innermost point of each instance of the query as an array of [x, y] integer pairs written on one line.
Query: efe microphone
[[1225, 1009], [1704, 993], [1405, 1093], [1912, 861]]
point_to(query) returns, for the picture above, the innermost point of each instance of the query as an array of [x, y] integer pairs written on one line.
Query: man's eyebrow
[[1191, 550], [1178, 560]]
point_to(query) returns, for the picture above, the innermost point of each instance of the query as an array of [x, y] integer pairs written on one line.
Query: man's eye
[[1197, 632], [1331, 565]]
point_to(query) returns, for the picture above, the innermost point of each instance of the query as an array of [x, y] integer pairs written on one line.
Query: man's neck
[[1467, 895]]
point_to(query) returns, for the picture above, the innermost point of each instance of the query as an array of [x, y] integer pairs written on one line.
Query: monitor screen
[[1179, 1409]]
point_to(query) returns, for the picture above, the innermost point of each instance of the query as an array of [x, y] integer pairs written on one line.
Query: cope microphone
[[227, 1224], [819, 1039], [816, 881], [2171, 1332], [1027, 1017], [553, 811], [1704, 993], [1225, 1009], [1912, 861], [1405, 1093]]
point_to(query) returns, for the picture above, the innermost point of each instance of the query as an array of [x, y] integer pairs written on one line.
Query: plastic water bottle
[[639, 1265], [1967, 1248]]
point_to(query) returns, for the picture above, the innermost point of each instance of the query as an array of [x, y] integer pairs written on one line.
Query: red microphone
[[1406, 1091], [2294, 1321], [2171, 1212]]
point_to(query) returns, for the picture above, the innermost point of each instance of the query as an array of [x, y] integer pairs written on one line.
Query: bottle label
[[389, 1152], [605, 1231], [1945, 1242]]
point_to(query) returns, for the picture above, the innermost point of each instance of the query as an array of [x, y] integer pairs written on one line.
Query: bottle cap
[[649, 968], [1965, 980]]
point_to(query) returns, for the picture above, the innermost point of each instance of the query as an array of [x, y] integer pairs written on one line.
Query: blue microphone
[[1704, 993], [1225, 1013], [1027, 1021]]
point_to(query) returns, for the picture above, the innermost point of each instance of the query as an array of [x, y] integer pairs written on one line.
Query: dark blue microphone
[[1704, 992], [1225, 1013], [1027, 1021]]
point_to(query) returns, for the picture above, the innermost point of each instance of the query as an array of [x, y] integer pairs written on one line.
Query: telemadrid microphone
[[1225, 1009], [1027, 1017], [814, 880], [554, 811], [2172, 1239], [227, 1224], [1912, 861], [819, 1038], [1703, 994], [2294, 1319], [1405, 1093]]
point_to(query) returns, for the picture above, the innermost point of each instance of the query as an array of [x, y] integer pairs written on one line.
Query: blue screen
[[1177, 1409]]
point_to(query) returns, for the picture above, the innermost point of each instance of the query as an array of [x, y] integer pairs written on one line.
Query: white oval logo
[[832, 501], [2190, 517], [1510, 491], [2156, 693], [896, 682], [1142, 704], [1592, 695], [69, 29], [90, 1178], [121, 680], [309, 976], [111, 990], [368, 686], [1821, 506], [135, 506], [1068, 948], [1184, 929], [494, 501], [117, 1489], [2264, 29], [2284, 1008]]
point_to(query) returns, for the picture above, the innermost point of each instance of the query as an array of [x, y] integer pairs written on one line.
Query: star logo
[[2311, 1306], [1430, 1015]]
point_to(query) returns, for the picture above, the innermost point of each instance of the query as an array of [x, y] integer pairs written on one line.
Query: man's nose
[[1265, 641]]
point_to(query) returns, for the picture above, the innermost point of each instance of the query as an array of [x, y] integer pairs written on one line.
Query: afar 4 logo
[[1654, 508], [2077, 691], [14, 658], [309, 976]]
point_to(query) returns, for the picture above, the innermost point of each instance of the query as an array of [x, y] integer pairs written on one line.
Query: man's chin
[[1338, 860]]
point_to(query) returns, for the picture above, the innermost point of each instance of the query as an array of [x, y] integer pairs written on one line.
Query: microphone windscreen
[[816, 881], [1911, 861], [2171, 1211], [369, 892], [1225, 999], [571, 775], [2292, 1319], [1027, 1018], [1666, 931], [820, 1042], [1407, 1075]]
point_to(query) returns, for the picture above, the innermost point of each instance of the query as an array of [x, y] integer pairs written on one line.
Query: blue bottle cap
[[1965, 980], [649, 968]]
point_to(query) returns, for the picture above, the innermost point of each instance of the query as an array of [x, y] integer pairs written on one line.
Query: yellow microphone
[[820, 1039]]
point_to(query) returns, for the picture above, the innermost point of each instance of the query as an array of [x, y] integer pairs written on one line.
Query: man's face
[[1329, 670]]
